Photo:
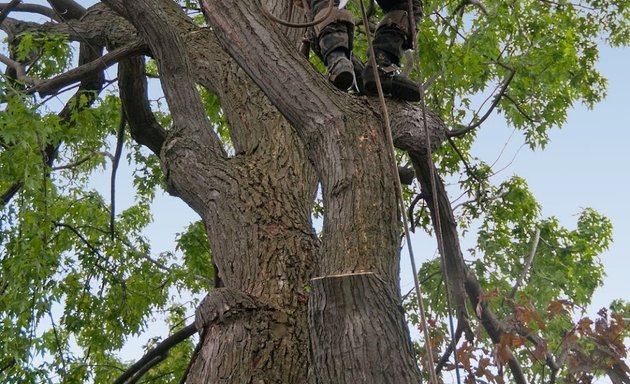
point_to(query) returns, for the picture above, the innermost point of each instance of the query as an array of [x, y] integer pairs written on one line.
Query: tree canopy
[[87, 86]]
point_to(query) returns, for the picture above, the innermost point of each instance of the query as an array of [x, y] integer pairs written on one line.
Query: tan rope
[[433, 182], [331, 5], [399, 197]]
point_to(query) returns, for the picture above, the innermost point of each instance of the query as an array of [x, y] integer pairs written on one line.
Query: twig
[[519, 108], [495, 102], [461, 156], [120, 137], [20, 70], [160, 351], [83, 160], [90, 247], [528, 264]]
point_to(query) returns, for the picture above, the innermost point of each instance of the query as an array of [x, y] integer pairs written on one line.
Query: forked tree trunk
[[294, 307]]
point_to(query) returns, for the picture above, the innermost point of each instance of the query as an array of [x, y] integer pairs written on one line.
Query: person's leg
[[334, 35], [392, 37]]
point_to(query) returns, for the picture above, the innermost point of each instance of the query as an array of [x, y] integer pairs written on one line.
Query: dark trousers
[[386, 5], [389, 40]]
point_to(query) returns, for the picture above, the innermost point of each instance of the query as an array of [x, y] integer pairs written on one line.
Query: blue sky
[[584, 165]]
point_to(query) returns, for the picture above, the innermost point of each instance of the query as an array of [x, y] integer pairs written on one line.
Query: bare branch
[[454, 262], [53, 85], [8, 8], [528, 264], [120, 137], [67, 9], [20, 70], [33, 8], [168, 47], [495, 102], [132, 82], [156, 355]]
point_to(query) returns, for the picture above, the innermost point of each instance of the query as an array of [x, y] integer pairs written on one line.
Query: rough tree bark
[[294, 307], [288, 135]]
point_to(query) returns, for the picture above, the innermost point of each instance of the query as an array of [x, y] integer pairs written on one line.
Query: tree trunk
[[290, 130]]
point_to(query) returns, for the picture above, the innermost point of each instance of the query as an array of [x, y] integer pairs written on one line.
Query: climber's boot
[[334, 35], [390, 39]]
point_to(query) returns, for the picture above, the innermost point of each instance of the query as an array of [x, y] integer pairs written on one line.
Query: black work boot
[[334, 37], [340, 69], [390, 39], [393, 83]]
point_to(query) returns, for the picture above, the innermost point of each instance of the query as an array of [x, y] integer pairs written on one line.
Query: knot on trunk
[[224, 303]]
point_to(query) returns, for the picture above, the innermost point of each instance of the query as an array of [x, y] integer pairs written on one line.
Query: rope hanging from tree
[[432, 179], [399, 191], [399, 197]]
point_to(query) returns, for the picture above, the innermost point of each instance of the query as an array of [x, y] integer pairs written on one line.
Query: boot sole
[[343, 80]]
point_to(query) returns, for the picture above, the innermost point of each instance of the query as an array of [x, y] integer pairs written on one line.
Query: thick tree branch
[[151, 18], [155, 355], [317, 97], [132, 82], [117, 6], [51, 86], [458, 272], [99, 26], [8, 8], [33, 8], [248, 45], [67, 9], [19, 70], [455, 268]]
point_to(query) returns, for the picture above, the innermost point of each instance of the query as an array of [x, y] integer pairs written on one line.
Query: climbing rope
[[399, 197], [329, 8], [433, 182], [399, 190]]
